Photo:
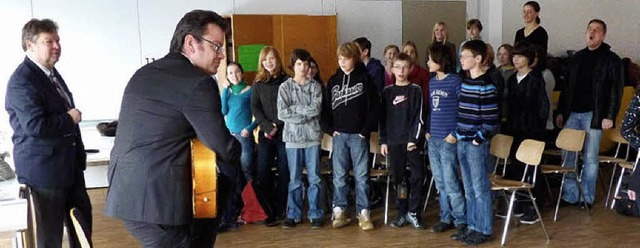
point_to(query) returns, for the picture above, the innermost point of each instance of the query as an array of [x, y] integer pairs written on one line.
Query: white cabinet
[[158, 20], [100, 50]]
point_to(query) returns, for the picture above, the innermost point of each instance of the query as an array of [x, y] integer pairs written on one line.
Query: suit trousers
[[52, 210]]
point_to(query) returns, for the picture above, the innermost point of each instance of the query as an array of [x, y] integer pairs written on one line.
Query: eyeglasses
[[216, 47]]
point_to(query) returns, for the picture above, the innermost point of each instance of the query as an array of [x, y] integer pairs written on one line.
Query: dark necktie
[[61, 91]]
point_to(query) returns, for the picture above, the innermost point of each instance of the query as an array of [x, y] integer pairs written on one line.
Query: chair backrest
[[616, 136], [374, 143], [570, 140], [501, 146], [530, 152], [327, 143]]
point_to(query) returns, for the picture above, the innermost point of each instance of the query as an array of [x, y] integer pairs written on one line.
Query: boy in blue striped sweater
[[477, 121], [444, 92]]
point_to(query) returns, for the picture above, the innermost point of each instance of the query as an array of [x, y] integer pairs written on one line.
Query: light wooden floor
[[574, 229]]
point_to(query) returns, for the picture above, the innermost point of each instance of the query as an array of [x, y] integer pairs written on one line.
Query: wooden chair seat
[[553, 152], [553, 169], [379, 173], [626, 165], [494, 176], [504, 184], [323, 171], [610, 159]]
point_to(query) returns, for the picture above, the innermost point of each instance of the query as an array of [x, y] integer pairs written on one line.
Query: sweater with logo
[[443, 102], [401, 120], [350, 103]]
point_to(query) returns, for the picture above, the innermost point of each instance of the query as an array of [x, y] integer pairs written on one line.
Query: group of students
[[448, 112]]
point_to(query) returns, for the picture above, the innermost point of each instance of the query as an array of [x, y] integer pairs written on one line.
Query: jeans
[[246, 159], [399, 160], [444, 166], [271, 151], [476, 186], [570, 193], [299, 158], [350, 147]]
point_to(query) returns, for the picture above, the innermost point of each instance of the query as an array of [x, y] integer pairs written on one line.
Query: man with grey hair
[[47, 148]]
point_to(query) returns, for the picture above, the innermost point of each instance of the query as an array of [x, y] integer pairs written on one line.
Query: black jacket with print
[[402, 117], [350, 103]]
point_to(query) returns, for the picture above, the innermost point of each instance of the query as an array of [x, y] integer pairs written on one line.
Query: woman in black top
[[532, 31]]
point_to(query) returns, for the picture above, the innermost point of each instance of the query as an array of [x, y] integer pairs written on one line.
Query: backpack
[[252, 211], [624, 205]]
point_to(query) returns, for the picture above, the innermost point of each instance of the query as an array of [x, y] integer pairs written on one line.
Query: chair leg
[[584, 198], [386, 201], [555, 216], [426, 201], [508, 221], [615, 194], [535, 205], [613, 173]]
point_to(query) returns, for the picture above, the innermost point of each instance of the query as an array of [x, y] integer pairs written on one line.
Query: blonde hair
[[349, 50], [446, 32], [264, 74], [389, 47]]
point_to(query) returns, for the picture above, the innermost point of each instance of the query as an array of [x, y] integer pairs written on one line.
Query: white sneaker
[[339, 218], [364, 220]]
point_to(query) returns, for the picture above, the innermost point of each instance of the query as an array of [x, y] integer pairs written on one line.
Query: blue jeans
[[444, 166], [346, 148], [570, 193], [476, 186], [246, 159], [298, 158]]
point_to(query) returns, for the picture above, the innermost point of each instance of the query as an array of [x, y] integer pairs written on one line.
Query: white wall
[[566, 21]]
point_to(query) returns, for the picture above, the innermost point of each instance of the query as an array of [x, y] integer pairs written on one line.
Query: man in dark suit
[[165, 104], [48, 151]]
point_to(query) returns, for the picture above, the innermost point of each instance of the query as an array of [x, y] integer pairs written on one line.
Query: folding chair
[[616, 160], [374, 148], [500, 148], [623, 167], [529, 153], [569, 140]]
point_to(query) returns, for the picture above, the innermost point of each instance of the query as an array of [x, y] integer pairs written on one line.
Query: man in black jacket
[[590, 100], [165, 104]]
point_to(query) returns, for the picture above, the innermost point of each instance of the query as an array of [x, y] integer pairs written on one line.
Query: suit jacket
[[165, 104], [47, 147]]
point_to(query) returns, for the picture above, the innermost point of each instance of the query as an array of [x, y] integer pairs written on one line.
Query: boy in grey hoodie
[[299, 105]]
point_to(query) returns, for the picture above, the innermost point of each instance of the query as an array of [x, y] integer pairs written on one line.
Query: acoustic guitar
[[205, 180]]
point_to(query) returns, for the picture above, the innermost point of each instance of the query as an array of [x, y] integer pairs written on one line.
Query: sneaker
[[415, 220], [289, 223], [339, 218], [364, 220], [442, 227], [476, 238], [400, 221], [316, 223], [530, 218], [271, 222], [461, 232]]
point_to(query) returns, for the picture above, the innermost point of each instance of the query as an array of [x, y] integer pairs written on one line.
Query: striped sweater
[[477, 109]]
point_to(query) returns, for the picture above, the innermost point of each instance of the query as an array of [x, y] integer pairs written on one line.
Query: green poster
[[248, 56]]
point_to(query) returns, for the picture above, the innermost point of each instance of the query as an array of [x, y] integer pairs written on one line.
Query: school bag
[[624, 205], [252, 211]]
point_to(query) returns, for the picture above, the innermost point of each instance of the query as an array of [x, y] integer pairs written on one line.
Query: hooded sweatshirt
[[299, 108], [350, 103]]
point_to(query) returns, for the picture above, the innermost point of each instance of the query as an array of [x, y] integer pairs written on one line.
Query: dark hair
[[476, 47], [364, 43], [536, 6], [441, 55], [299, 54], [236, 64], [317, 76], [601, 22], [509, 49], [474, 22], [35, 27], [526, 49], [194, 23], [402, 57]]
